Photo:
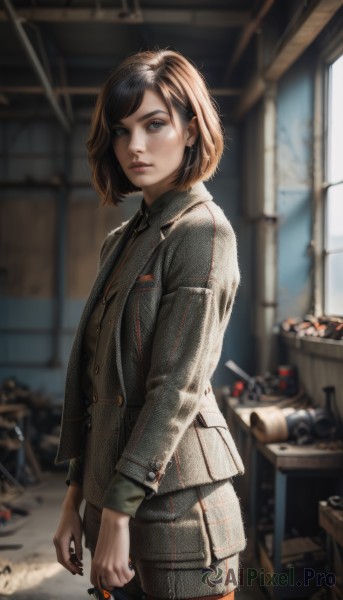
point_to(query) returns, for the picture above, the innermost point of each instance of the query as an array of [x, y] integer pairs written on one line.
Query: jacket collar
[[172, 204]]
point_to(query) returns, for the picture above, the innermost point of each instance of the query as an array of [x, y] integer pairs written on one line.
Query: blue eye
[[156, 124], [118, 131]]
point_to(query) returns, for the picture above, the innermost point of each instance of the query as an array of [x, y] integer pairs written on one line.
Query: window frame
[[330, 50]]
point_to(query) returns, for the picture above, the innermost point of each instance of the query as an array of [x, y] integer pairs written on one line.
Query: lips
[[138, 164]]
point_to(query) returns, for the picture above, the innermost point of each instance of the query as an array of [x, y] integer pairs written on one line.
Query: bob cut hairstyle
[[181, 87]]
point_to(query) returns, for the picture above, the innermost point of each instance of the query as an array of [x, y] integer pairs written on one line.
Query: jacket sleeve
[[201, 284]]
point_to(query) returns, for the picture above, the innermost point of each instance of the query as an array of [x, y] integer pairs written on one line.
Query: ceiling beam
[[205, 18], [36, 64], [301, 35], [4, 100], [89, 90], [247, 33], [289, 48]]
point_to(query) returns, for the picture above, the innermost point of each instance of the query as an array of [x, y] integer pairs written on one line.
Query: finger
[[76, 563], [93, 576], [78, 548], [70, 561], [98, 581], [65, 564]]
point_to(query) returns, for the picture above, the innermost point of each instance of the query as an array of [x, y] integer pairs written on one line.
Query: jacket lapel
[[179, 203]]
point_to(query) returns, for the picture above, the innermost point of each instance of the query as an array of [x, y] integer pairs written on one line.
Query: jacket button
[[119, 400], [95, 398], [96, 369], [151, 476], [155, 465]]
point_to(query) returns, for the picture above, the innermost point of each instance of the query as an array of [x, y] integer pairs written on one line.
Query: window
[[333, 236]]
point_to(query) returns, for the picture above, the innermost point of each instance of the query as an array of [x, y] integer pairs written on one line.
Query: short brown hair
[[180, 86]]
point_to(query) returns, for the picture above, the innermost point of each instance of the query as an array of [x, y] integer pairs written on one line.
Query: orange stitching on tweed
[[226, 520], [134, 461], [201, 500], [221, 547], [177, 463], [214, 237], [139, 338]]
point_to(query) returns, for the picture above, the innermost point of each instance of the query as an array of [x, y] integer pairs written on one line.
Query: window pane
[[334, 284], [335, 113], [334, 218]]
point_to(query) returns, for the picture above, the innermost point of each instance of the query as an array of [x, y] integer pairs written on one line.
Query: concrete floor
[[35, 574]]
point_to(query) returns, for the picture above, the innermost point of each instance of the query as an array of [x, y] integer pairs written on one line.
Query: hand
[[67, 539], [110, 564]]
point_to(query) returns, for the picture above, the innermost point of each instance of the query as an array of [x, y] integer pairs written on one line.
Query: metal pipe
[[92, 90], [60, 263], [168, 16], [35, 62]]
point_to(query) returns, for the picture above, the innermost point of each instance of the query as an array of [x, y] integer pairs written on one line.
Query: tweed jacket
[[172, 307]]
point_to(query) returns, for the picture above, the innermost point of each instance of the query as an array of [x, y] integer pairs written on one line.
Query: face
[[150, 148]]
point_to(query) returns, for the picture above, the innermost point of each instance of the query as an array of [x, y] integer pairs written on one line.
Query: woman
[[150, 451]]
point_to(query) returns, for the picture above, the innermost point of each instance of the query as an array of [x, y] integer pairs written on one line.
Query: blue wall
[[294, 188], [226, 190]]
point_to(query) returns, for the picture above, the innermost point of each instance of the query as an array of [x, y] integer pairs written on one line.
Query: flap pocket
[[211, 418], [182, 539]]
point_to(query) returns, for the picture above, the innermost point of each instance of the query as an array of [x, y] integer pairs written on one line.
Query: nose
[[136, 142]]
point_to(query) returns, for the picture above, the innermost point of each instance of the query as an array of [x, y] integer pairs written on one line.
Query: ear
[[192, 131]]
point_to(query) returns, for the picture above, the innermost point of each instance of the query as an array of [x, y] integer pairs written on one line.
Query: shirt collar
[[158, 205]]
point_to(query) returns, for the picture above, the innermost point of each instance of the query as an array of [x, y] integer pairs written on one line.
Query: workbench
[[287, 460], [331, 520]]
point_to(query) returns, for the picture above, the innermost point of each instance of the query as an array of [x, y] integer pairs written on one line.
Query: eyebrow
[[150, 114]]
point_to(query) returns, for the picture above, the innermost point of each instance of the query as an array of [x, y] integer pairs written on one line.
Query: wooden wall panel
[[88, 225], [27, 247]]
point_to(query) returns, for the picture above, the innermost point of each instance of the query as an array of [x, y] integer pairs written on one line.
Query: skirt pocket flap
[[184, 539], [223, 518]]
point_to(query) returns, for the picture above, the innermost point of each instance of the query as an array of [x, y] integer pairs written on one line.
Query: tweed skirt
[[184, 544]]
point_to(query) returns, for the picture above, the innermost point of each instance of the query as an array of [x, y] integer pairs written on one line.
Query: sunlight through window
[[334, 198]]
